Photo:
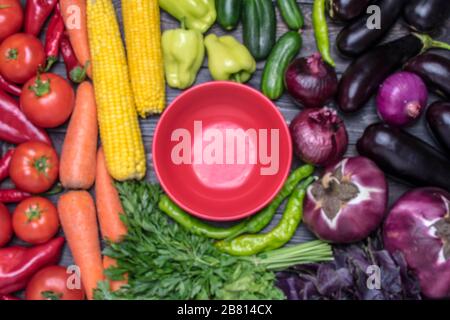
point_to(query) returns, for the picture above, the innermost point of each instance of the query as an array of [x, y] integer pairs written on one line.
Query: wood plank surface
[[355, 123]]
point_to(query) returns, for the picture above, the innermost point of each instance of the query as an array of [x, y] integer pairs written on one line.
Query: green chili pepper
[[321, 31], [263, 218], [195, 225], [252, 225], [247, 245]]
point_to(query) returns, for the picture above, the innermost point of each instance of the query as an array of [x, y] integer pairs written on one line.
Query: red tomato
[[34, 167], [53, 283], [47, 100], [11, 18], [20, 57], [6, 229], [35, 220]]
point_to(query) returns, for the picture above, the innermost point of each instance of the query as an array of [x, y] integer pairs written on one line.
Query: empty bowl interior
[[234, 187]]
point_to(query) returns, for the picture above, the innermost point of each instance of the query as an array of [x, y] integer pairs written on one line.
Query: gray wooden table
[[355, 123]]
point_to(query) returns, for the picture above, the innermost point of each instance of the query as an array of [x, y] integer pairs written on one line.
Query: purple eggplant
[[346, 10], [438, 118], [404, 156], [426, 15], [357, 38], [441, 52], [363, 77], [434, 69]]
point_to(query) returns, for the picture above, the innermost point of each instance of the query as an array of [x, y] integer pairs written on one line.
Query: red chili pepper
[[8, 297], [36, 13], [5, 161], [19, 264], [13, 195], [75, 71], [53, 37], [14, 126], [9, 87]]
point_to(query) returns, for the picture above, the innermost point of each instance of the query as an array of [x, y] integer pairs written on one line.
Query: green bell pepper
[[183, 52], [229, 59], [198, 15]]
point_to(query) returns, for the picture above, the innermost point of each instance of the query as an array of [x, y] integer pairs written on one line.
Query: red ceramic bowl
[[222, 151]]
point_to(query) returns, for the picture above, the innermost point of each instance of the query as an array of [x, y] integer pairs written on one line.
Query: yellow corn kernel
[[141, 20], [119, 126]]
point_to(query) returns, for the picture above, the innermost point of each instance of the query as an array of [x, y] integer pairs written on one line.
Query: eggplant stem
[[429, 42]]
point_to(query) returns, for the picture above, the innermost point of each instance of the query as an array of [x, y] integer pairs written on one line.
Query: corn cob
[[118, 120], [141, 20]]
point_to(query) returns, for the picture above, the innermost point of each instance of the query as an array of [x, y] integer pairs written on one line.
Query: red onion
[[319, 136], [311, 81], [419, 227], [402, 98], [348, 203]]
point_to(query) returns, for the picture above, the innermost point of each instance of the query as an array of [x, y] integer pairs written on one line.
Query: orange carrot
[[78, 156], [109, 207], [113, 285], [74, 15], [78, 219]]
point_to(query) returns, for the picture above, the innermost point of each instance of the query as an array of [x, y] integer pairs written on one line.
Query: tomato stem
[[42, 164], [40, 88], [33, 213], [5, 6], [12, 54], [52, 295]]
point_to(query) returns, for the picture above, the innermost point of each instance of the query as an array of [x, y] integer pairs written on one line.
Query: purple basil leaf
[[290, 286], [309, 292], [347, 277], [391, 281], [411, 287], [328, 280]]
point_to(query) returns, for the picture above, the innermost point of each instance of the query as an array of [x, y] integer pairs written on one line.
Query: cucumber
[[228, 13], [259, 23], [291, 14], [285, 50]]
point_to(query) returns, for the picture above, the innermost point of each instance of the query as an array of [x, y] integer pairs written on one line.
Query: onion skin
[[311, 81], [361, 215], [409, 228], [401, 99], [438, 118], [319, 136]]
